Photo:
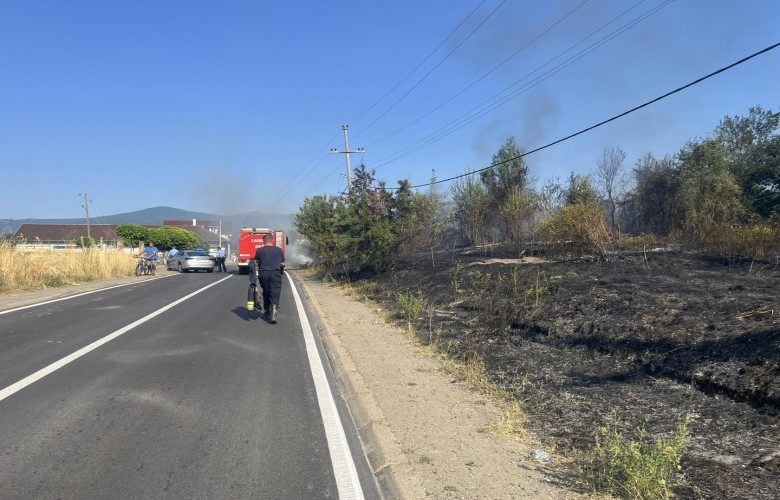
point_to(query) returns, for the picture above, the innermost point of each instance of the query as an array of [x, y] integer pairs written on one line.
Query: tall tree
[[367, 221], [508, 172], [653, 205], [609, 176], [518, 210], [709, 193], [471, 208], [752, 146], [318, 220]]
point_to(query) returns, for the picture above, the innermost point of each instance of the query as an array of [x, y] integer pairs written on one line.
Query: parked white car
[[191, 260]]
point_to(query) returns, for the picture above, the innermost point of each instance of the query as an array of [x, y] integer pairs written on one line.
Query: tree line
[[164, 237], [719, 194]]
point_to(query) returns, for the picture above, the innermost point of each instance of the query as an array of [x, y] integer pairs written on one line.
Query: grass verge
[[36, 270]]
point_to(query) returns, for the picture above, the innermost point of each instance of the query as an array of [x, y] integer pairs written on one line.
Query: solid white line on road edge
[[343, 466], [18, 386], [79, 295]]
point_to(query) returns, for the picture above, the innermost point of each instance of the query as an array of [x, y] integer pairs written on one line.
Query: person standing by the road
[[173, 252], [221, 260], [270, 263]]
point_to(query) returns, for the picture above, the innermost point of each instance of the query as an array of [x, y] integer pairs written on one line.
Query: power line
[[445, 58], [291, 183], [305, 170], [420, 63], [604, 122], [556, 23], [496, 100], [431, 71], [328, 176]]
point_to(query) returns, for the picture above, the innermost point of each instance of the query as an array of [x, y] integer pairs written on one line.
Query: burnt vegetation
[[625, 300]]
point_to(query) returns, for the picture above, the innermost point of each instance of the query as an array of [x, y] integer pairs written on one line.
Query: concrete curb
[[391, 467]]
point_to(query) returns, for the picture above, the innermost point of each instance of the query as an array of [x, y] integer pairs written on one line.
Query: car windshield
[[197, 253]]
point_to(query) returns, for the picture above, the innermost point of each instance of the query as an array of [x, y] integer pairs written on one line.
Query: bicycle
[[145, 266]]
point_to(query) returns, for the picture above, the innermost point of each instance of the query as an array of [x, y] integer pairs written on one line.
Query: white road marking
[[18, 386], [343, 466], [79, 295]]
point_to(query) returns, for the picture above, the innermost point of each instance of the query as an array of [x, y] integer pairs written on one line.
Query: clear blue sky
[[232, 106]]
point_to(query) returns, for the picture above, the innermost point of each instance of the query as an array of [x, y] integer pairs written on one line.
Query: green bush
[[85, 242], [506, 298], [581, 227], [412, 305], [759, 240], [643, 469]]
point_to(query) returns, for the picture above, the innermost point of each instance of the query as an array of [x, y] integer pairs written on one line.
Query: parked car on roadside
[[191, 260]]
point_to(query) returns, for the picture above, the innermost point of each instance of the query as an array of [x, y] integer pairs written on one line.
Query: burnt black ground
[[644, 338]]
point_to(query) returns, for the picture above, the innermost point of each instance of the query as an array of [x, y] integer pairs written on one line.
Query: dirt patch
[[646, 338], [522, 260]]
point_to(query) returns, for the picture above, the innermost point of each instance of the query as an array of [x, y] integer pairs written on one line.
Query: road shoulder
[[424, 433]]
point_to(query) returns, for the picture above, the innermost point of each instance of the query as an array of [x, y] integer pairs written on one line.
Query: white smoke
[[297, 255]]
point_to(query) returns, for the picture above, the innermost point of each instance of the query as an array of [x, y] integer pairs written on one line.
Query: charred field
[[646, 338]]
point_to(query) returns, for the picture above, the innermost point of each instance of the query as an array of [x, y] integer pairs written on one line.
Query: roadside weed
[[412, 304], [509, 298], [362, 290], [457, 277], [642, 469], [511, 423]]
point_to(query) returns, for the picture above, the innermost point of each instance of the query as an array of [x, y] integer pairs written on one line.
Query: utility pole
[[347, 152], [86, 207]]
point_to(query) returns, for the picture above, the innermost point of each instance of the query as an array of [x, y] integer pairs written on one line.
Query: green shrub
[[642, 469], [759, 240], [581, 227], [639, 242], [412, 305], [507, 298]]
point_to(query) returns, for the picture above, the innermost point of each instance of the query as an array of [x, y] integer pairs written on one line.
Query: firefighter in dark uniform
[[270, 264]]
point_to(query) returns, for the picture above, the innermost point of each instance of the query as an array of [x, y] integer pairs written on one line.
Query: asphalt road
[[169, 388]]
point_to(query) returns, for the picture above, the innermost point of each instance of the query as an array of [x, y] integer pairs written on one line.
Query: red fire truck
[[251, 238]]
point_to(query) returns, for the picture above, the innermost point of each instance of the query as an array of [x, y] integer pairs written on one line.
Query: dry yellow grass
[[35, 270]]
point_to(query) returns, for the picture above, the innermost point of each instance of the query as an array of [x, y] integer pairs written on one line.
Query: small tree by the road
[[609, 175], [471, 209], [85, 242], [317, 219], [653, 205], [508, 174], [580, 225], [518, 210], [416, 220], [580, 190]]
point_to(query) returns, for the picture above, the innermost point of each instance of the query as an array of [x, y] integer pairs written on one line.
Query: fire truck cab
[[250, 239]]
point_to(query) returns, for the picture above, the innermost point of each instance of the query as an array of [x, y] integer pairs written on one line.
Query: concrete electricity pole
[[86, 207], [347, 152]]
